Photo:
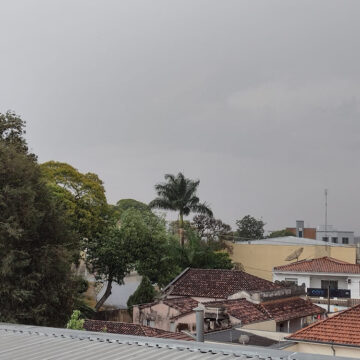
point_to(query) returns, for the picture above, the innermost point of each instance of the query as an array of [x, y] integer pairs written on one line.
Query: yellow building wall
[[259, 260], [312, 348]]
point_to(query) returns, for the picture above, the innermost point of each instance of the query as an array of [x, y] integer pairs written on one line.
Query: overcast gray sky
[[260, 100]]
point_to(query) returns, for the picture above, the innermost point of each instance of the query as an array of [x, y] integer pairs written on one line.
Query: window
[[325, 284], [300, 233], [325, 238], [292, 280], [334, 240], [345, 240]]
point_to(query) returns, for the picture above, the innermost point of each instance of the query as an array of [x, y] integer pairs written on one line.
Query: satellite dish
[[295, 255]]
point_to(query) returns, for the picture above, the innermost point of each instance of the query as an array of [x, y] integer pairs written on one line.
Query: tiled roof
[[217, 283], [241, 309], [290, 308], [133, 329], [342, 328], [182, 304], [324, 264]]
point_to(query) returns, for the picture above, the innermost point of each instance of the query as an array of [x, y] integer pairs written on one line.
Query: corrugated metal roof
[[290, 240], [21, 342]]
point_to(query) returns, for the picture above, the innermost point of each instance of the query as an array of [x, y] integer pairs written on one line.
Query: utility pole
[[326, 195]]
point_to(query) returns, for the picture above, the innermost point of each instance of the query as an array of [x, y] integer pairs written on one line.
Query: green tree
[[249, 228], [75, 322], [36, 283], [145, 293], [126, 204], [81, 195], [281, 233], [179, 194]]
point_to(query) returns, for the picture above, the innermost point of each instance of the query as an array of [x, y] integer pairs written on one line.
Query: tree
[[108, 258], [179, 194], [249, 228], [197, 253], [81, 195], [145, 293], [36, 283], [126, 204], [214, 231], [281, 233], [75, 322]]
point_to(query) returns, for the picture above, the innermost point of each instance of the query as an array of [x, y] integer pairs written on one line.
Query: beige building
[[259, 257]]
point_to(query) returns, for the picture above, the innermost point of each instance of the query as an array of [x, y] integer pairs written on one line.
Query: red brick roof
[[217, 283], [290, 308], [343, 328], [133, 329], [324, 264], [241, 309]]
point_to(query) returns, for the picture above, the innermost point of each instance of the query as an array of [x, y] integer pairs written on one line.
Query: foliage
[[81, 195], [213, 231], [179, 194], [148, 243], [281, 233], [249, 228], [75, 323], [197, 253], [126, 204], [145, 293], [36, 283]]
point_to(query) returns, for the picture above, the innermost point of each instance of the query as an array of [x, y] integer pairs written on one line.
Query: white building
[[330, 234], [321, 273]]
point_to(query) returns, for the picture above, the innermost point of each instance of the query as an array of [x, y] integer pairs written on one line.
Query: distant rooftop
[[289, 240], [321, 265]]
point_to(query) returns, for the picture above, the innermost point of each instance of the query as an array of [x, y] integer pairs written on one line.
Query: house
[[35, 342], [329, 233], [320, 273], [338, 335], [229, 298], [115, 327], [259, 257], [301, 231]]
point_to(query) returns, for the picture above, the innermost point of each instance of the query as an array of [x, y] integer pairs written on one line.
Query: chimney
[[199, 311], [300, 228]]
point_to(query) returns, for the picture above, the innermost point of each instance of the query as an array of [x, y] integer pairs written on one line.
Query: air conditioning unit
[[349, 281]]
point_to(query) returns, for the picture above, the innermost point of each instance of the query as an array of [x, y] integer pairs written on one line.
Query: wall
[[338, 234], [269, 325], [301, 279], [321, 349], [259, 260]]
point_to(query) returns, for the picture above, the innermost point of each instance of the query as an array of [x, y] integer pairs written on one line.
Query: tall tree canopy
[[126, 204], [82, 195], [249, 228], [179, 194], [36, 283]]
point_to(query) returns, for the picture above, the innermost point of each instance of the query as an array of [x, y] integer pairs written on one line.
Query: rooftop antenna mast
[[326, 204]]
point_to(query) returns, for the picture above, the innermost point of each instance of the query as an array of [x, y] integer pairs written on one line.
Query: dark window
[[334, 240], [345, 240], [300, 233], [325, 284], [325, 238]]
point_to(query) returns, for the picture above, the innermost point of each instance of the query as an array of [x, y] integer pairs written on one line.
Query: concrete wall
[[313, 348], [260, 259], [269, 325]]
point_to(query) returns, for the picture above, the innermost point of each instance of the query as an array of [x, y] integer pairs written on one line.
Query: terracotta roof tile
[[324, 264], [182, 304], [290, 308], [343, 328], [241, 309], [217, 283], [133, 329]]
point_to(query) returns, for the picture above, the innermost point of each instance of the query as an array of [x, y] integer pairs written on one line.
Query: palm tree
[[179, 194]]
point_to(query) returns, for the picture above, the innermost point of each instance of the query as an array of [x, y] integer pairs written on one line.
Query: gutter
[[322, 343]]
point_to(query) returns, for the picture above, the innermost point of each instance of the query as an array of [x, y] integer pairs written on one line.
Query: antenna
[[326, 204]]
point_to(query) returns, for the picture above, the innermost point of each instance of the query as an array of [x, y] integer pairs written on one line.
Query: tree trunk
[[181, 230], [107, 293]]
